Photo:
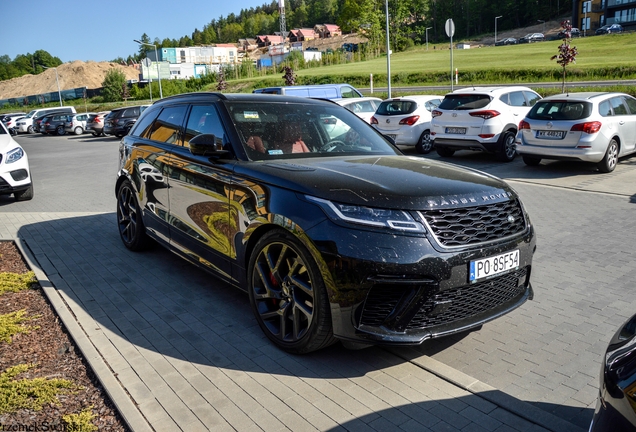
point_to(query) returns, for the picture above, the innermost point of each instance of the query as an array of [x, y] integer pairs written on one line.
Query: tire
[[78, 130], [130, 223], [287, 294], [424, 145], [30, 129], [507, 147], [26, 194], [444, 151], [531, 160], [60, 130], [610, 160]]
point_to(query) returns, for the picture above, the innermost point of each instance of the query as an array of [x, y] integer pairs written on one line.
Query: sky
[[104, 30]]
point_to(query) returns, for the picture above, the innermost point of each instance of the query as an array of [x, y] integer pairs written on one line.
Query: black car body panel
[[399, 283], [616, 404]]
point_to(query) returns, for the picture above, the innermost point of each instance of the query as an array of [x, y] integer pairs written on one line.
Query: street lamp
[[59, 93], [427, 28], [388, 50], [542, 21], [496, 18], [157, 60]]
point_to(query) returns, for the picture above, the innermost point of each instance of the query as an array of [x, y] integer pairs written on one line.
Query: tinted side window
[[203, 119], [631, 103], [168, 125], [618, 105], [142, 126]]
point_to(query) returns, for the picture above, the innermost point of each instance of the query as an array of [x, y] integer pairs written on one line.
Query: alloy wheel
[[127, 215]]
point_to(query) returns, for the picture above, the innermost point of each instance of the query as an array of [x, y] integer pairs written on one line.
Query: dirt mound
[[70, 75]]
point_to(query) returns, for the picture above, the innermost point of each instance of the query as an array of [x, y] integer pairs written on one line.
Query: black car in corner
[[119, 121], [332, 231], [616, 403]]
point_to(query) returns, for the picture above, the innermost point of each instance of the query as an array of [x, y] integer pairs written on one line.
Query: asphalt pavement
[[178, 350]]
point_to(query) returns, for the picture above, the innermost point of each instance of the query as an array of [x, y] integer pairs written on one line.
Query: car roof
[[420, 98], [341, 101], [491, 90], [238, 97], [583, 95]]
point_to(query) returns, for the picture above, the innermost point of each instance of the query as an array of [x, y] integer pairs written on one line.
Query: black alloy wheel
[[508, 147], [129, 220], [424, 145], [287, 294], [610, 160]]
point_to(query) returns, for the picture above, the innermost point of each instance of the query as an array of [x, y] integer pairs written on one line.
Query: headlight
[[15, 155], [380, 218]]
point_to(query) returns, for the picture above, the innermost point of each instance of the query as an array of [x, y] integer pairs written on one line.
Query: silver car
[[77, 123], [595, 127]]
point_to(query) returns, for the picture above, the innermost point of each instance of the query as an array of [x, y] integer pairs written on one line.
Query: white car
[[15, 174], [481, 119], [10, 120], [363, 107], [594, 127], [25, 124], [407, 120]]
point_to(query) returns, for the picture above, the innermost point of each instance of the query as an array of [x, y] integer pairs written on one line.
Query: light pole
[[496, 18], [157, 60], [542, 21], [427, 28], [59, 93], [388, 50]]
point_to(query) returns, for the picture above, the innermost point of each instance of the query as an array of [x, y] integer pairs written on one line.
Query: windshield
[[274, 130]]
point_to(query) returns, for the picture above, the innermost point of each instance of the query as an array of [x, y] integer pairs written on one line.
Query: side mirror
[[207, 145]]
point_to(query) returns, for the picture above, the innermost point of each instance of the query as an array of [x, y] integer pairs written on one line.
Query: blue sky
[[103, 30]]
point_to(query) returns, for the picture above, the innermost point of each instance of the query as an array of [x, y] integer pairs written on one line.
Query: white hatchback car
[[15, 174], [482, 119], [595, 127], [363, 107], [407, 120]]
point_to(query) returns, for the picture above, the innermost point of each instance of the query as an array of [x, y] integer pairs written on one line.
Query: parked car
[[363, 107], [482, 119], [324, 91], [407, 120], [595, 127], [332, 239], [607, 29], [506, 41], [77, 123], [95, 123], [15, 174], [55, 123], [25, 125], [10, 120], [119, 121], [532, 37], [574, 32], [616, 403]]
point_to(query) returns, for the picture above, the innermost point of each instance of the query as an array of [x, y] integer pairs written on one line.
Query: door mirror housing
[[207, 145]]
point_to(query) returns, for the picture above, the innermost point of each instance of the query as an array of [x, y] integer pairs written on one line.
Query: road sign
[[450, 28], [146, 62]]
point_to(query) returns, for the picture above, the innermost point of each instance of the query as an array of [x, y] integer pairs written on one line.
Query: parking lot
[[188, 352]]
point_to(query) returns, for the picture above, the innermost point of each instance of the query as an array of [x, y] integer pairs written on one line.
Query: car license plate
[[488, 267], [456, 130], [550, 134]]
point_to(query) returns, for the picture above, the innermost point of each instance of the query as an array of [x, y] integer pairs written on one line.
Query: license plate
[[456, 130], [488, 267], [550, 134]]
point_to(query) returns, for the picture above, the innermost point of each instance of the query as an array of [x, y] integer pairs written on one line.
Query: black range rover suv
[[334, 233]]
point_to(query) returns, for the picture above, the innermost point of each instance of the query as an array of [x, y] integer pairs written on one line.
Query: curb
[[64, 306], [503, 400]]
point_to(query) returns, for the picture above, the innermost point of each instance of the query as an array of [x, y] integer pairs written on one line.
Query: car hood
[[7, 143], [404, 182]]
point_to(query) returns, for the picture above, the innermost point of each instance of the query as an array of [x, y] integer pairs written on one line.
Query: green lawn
[[594, 52]]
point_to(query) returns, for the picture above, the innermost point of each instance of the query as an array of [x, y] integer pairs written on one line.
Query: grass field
[[594, 52]]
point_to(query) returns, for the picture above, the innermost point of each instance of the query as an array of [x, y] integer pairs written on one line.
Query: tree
[[567, 54], [222, 84], [143, 48], [113, 84], [290, 76]]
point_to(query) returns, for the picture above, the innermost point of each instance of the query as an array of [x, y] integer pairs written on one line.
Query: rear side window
[[618, 105], [560, 110], [464, 101], [396, 107], [142, 126], [532, 97], [168, 125]]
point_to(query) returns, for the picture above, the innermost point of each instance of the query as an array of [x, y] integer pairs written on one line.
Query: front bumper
[[403, 290]]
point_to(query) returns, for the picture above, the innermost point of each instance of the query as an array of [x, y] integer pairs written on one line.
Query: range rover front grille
[[473, 225], [462, 302]]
